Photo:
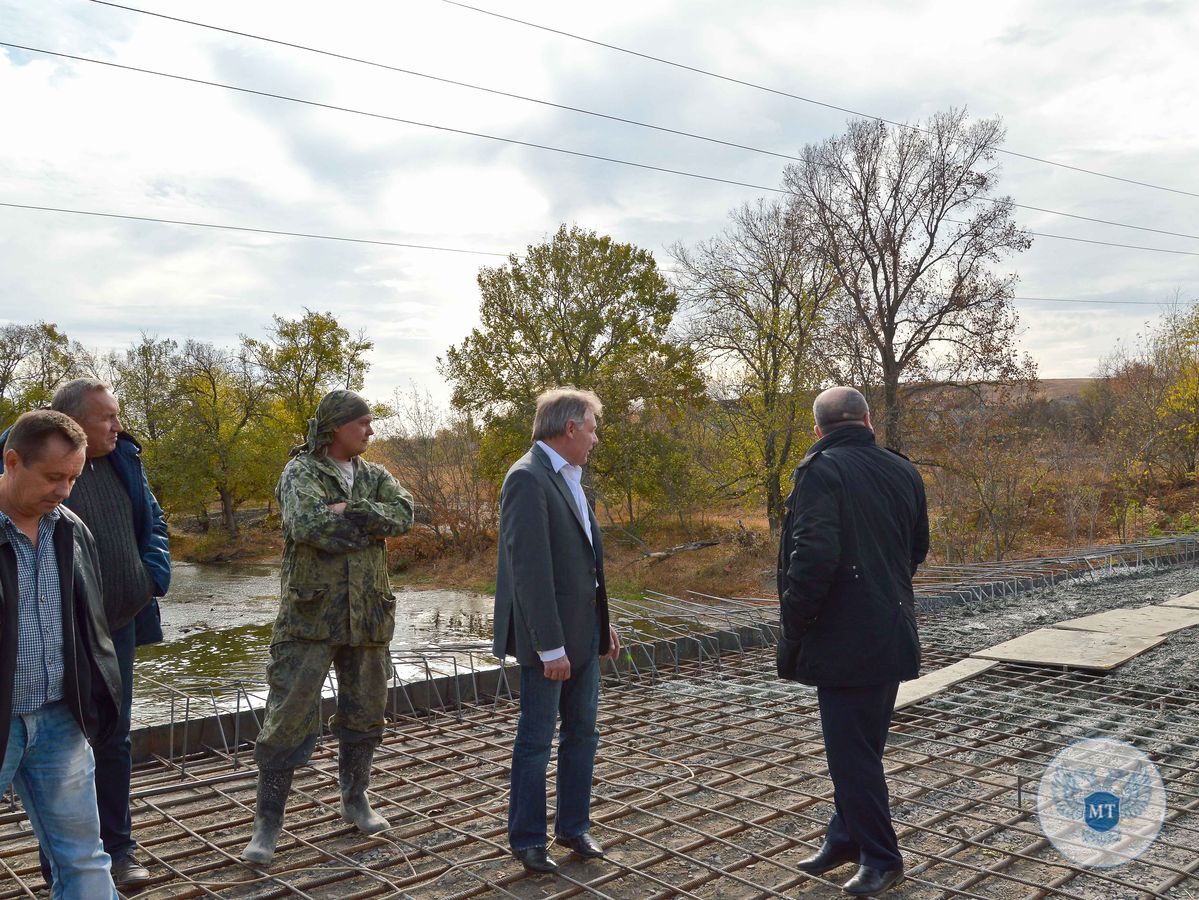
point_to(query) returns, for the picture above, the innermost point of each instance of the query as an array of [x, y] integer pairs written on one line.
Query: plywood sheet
[[934, 682], [1095, 650], [1190, 600], [1141, 621]]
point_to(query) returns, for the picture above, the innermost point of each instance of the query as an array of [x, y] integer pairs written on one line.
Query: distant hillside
[[1062, 388]]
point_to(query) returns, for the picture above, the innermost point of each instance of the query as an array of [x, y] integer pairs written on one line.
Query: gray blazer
[[546, 591]]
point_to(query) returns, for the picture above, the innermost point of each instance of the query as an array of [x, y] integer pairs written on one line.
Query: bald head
[[840, 406]]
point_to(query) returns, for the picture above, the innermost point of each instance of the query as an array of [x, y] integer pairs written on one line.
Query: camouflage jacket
[[334, 584]]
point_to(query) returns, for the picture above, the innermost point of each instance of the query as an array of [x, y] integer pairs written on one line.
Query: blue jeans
[[50, 764], [114, 764], [541, 702]]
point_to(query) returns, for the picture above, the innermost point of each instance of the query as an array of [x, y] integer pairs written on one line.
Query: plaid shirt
[[38, 679]]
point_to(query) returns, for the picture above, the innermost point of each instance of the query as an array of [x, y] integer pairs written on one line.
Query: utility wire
[[578, 109], [576, 153], [329, 237], [1078, 240], [1081, 300], [462, 84], [761, 87], [299, 234], [383, 116]]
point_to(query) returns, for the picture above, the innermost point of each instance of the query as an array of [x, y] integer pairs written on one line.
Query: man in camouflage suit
[[336, 606]]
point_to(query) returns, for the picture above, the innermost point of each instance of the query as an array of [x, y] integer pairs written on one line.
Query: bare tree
[[987, 484], [757, 294], [435, 455], [906, 219]]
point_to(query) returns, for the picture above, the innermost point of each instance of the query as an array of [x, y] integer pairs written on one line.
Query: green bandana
[[335, 409]]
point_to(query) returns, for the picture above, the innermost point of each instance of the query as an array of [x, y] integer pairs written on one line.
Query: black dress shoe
[[536, 860], [583, 844], [827, 859], [870, 882], [127, 872]]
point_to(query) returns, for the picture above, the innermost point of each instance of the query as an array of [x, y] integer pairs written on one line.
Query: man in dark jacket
[[60, 685], [113, 498], [855, 530]]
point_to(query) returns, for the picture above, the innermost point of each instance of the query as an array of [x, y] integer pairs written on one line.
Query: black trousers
[[855, 722]]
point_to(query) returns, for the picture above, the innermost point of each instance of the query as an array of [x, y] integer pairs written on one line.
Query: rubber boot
[[273, 787], [354, 771]]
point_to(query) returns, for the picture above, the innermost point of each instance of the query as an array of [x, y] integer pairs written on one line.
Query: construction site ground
[[711, 783]]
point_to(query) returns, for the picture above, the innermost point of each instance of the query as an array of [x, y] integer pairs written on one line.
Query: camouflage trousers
[[296, 674]]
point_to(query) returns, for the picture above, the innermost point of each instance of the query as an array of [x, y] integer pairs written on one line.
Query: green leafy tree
[[223, 447], [143, 380], [35, 360], [579, 309], [304, 358]]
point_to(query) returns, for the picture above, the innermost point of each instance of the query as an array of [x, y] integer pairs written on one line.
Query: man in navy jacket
[[113, 498], [856, 528]]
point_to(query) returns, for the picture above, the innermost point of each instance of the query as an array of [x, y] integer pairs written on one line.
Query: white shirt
[[573, 476], [347, 472]]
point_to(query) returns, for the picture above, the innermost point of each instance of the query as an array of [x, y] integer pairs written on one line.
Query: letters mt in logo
[[1103, 811], [1101, 802]]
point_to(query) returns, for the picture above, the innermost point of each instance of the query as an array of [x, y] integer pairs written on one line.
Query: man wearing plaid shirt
[[59, 680]]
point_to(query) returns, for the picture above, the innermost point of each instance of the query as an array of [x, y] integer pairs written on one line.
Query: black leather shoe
[[127, 872], [536, 860], [870, 882], [583, 844], [827, 859]]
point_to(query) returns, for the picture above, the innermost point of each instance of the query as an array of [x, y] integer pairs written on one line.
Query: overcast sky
[[1107, 86]]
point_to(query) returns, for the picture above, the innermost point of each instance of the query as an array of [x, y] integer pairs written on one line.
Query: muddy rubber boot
[[354, 771], [273, 787]]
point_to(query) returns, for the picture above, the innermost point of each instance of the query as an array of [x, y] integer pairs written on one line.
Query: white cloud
[[1102, 86]]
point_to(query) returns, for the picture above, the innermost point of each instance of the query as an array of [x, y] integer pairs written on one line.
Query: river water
[[217, 628]]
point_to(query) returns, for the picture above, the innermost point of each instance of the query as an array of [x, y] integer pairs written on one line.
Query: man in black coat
[[855, 530]]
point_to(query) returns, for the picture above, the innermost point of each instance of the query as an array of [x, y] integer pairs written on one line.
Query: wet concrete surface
[[985, 623]]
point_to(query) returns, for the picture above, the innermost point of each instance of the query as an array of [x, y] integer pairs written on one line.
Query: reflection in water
[[207, 656], [217, 628]]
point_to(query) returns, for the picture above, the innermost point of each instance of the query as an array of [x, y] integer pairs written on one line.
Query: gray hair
[[71, 398], [558, 406], [839, 406]]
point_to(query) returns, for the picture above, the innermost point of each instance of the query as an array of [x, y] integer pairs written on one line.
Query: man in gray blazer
[[551, 613]]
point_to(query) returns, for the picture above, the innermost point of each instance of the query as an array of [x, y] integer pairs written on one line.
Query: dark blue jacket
[[150, 527]]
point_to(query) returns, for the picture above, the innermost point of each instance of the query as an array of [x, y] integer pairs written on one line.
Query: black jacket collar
[[856, 435]]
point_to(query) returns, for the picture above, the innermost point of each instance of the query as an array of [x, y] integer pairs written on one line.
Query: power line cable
[[761, 87], [1079, 240], [385, 117], [1084, 300], [222, 227], [381, 243], [450, 81], [587, 112], [576, 153]]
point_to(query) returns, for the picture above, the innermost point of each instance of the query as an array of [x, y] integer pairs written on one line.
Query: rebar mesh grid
[[710, 782]]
